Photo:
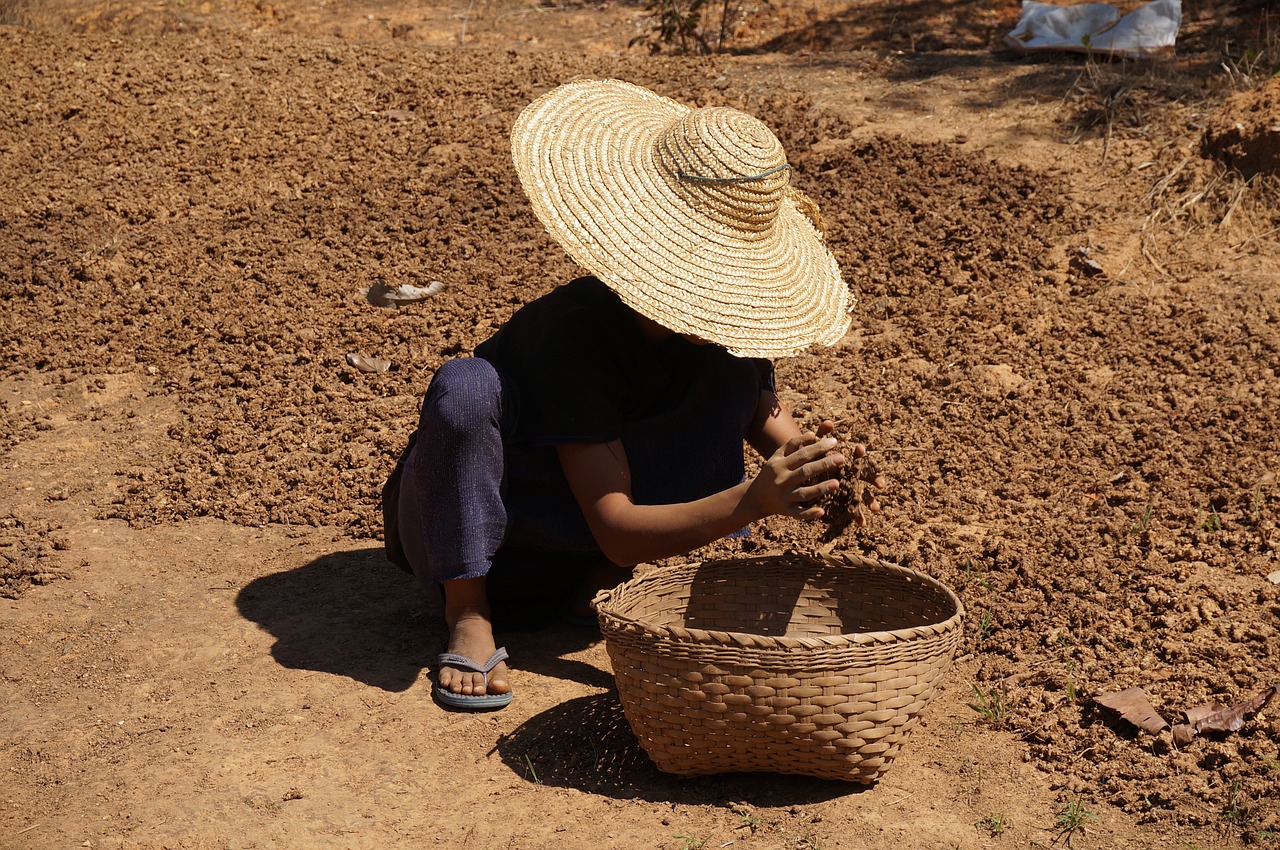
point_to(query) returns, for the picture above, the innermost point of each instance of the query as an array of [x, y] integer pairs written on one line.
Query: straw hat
[[687, 214]]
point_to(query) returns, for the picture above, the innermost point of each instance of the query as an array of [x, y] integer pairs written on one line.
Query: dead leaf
[[1200, 712], [1217, 717], [1132, 705], [368, 364], [381, 294]]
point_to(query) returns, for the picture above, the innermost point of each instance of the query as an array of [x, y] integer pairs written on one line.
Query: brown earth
[[1066, 363], [1245, 133]]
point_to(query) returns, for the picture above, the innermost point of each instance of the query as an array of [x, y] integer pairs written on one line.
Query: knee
[[465, 393]]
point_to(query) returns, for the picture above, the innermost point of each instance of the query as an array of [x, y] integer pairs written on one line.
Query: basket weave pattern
[[816, 665]]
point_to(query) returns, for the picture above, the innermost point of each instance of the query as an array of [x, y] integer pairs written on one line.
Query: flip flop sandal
[[471, 702]]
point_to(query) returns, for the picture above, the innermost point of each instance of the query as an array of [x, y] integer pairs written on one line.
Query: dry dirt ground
[[1066, 360]]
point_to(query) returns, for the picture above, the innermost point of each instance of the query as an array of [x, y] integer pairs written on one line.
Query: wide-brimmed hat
[[687, 214]]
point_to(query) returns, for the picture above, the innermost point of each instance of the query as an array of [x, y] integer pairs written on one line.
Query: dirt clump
[[1245, 132], [854, 500], [198, 201], [28, 556]]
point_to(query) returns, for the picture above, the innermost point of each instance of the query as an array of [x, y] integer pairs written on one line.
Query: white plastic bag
[[1147, 32]]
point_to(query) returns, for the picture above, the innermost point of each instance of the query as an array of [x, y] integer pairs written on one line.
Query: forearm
[[630, 534], [600, 477], [773, 425]]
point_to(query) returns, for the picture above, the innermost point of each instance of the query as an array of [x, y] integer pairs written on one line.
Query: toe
[[459, 681], [498, 680]]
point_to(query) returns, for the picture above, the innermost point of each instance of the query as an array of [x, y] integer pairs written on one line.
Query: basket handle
[[601, 597]]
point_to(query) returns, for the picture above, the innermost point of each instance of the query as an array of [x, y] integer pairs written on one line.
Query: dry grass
[[1117, 99], [1190, 193], [15, 13], [1198, 194], [1248, 66]]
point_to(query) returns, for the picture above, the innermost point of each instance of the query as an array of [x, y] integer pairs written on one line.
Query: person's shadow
[[354, 614]]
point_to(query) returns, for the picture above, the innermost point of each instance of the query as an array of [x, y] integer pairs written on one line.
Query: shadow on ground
[[353, 614], [350, 614], [587, 744], [1210, 29], [910, 25]]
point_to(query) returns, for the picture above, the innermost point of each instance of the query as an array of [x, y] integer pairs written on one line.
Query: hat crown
[[727, 164]]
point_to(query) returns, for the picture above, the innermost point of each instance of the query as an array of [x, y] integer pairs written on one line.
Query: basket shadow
[[719, 602], [798, 602], [587, 744]]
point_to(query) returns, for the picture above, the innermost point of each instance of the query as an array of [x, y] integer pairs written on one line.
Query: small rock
[[1274, 578]]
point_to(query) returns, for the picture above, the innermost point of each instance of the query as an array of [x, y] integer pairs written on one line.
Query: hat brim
[[584, 155]]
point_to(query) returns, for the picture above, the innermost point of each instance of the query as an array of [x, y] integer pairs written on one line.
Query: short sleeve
[[768, 383]]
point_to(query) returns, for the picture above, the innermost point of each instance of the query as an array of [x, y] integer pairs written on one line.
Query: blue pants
[[474, 502]]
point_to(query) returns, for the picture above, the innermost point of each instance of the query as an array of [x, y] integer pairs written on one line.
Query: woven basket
[[789, 664]]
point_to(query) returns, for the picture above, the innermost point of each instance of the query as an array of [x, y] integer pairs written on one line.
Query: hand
[[825, 428], [799, 473]]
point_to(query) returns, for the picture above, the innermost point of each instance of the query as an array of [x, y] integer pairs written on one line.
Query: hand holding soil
[[793, 480]]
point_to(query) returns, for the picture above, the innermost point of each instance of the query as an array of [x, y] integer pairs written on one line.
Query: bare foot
[[470, 635]]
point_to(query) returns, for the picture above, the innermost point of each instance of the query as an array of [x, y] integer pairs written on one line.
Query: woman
[[603, 425]]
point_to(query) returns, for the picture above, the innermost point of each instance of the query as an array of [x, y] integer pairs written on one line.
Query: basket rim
[[754, 641]]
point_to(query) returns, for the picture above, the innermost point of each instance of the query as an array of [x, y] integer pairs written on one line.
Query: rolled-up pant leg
[[452, 519]]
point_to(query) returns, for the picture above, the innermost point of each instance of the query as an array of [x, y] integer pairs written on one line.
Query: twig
[[462, 34], [1160, 186], [1106, 140], [62, 158], [28, 829], [51, 166], [1237, 196], [1150, 259], [1255, 238]]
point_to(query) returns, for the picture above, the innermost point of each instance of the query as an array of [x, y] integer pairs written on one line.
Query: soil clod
[[855, 499]]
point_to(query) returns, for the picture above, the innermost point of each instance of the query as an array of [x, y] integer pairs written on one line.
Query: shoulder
[[584, 296], [584, 293], [575, 318]]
